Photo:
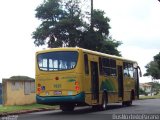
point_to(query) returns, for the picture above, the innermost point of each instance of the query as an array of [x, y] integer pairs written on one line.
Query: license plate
[[57, 92]]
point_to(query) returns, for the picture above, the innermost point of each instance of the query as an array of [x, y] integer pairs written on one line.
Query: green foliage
[[110, 46], [153, 68], [150, 97], [155, 87], [157, 59], [64, 25], [142, 92], [18, 108], [98, 38], [60, 23]]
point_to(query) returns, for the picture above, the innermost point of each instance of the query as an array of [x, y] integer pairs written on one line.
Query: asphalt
[[146, 104]]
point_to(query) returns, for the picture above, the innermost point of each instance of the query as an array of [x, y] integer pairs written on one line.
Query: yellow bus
[[72, 77]]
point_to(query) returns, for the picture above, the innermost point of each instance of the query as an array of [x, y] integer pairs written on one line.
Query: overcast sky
[[134, 22]]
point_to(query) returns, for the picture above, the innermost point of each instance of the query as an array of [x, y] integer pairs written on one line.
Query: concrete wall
[[18, 92]]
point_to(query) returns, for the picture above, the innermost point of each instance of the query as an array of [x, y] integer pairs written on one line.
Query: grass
[[150, 97], [16, 108]]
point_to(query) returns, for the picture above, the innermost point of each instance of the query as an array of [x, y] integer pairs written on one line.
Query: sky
[[134, 22]]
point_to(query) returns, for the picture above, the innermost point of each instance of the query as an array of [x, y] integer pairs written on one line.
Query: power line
[[91, 14]]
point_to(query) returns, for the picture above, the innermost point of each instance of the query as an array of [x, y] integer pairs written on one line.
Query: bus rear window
[[56, 61]]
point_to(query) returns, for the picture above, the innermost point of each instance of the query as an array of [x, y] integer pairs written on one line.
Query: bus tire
[[104, 101], [66, 108]]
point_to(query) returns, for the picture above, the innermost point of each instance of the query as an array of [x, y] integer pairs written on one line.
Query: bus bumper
[[55, 100]]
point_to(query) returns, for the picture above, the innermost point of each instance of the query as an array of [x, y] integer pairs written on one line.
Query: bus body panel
[[64, 83], [76, 87], [60, 86]]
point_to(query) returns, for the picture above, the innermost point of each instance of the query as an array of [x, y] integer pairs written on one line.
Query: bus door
[[120, 82], [136, 77], [94, 82]]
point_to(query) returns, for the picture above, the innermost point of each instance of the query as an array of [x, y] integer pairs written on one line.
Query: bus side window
[[100, 66], [109, 66], [113, 71], [130, 70], [135, 76], [125, 69], [86, 64], [106, 66]]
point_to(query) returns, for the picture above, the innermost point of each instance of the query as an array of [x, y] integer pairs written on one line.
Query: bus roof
[[85, 51]]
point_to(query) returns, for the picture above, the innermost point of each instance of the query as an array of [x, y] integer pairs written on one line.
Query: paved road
[[150, 106]]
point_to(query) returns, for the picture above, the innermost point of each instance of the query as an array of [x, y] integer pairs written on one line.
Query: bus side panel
[[109, 84], [129, 88]]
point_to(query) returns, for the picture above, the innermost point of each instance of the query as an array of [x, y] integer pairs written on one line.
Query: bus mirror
[[140, 73]]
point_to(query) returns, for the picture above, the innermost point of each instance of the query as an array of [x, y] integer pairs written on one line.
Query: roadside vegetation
[[150, 97], [19, 108], [155, 90]]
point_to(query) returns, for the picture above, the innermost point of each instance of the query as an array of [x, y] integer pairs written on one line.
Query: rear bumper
[[56, 100]]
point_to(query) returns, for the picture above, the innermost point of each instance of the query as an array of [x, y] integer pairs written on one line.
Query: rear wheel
[[66, 108], [103, 106]]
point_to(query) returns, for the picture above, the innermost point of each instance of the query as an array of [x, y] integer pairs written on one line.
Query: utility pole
[[91, 14]]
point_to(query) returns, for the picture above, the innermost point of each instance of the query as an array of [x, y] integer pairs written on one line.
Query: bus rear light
[[77, 88], [38, 89]]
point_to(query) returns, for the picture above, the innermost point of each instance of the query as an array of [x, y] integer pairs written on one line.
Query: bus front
[[58, 78]]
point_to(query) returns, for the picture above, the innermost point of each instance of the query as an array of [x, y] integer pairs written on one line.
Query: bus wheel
[[66, 108], [104, 102]]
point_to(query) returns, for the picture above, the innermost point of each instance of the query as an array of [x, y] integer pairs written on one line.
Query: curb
[[26, 111]]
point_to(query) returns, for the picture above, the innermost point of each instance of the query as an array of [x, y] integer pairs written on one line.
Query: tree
[[153, 68], [155, 87], [157, 59], [64, 25], [98, 38], [60, 23], [142, 92]]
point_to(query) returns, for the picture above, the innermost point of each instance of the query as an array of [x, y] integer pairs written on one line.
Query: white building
[[146, 87]]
